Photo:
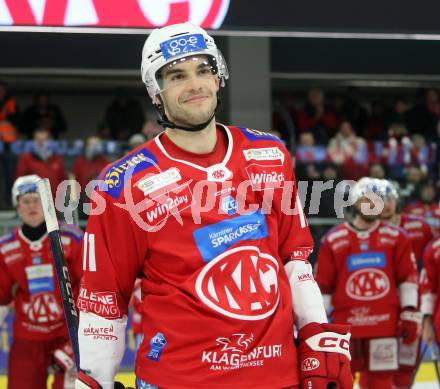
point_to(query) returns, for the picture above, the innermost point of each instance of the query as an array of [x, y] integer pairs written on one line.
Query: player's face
[[29, 209], [370, 208], [190, 89], [389, 209]]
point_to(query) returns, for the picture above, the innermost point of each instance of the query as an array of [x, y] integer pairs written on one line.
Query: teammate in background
[[427, 205], [27, 277], [418, 230], [221, 280], [420, 234], [366, 270]]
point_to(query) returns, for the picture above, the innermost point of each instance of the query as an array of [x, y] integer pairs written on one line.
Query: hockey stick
[[62, 271], [419, 361], [434, 354], [73, 198]]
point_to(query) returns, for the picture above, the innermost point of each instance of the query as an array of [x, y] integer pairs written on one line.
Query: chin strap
[[166, 123]]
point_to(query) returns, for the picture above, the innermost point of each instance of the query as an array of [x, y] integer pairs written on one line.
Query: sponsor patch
[[100, 333], [265, 176], [212, 240], [157, 344], [237, 352], [10, 246], [40, 278], [171, 203], [367, 284], [141, 384], [103, 304], [114, 176], [337, 234], [264, 154], [228, 205], [301, 253], [241, 283], [182, 44], [361, 316], [155, 182], [366, 260]]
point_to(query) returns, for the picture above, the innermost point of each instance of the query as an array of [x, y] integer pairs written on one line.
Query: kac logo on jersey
[[216, 238], [367, 284], [241, 283], [366, 260], [229, 205]]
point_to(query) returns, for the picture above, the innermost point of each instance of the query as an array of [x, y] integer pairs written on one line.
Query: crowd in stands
[[342, 138]]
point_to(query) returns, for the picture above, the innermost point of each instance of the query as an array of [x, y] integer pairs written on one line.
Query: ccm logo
[[334, 343]]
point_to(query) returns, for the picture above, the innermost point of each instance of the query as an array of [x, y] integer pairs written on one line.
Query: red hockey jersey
[[209, 244], [28, 277], [428, 212], [419, 231], [430, 282], [362, 271]]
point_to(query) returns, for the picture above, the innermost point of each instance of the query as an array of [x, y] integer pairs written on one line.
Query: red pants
[[29, 361]]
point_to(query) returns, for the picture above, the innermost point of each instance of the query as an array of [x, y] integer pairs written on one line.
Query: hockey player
[[420, 233], [222, 281], [366, 270], [426, 205], [429, 292], [27, 277]]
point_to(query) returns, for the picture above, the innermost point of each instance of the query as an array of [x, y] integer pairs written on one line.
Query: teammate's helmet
[[24, 184], [391, 189], [172, 43], [365, 187]]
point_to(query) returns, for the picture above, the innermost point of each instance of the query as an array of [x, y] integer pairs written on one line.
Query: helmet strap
[[166, 123]]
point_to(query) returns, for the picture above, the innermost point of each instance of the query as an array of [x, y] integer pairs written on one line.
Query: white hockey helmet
[[175, 42], [367, 186], [24, 184], [391, 188]]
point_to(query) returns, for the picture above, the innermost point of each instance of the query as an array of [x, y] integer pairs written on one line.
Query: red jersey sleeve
[[114, 249], [405, 261], [325, 269], [6, 283], [429, 280]]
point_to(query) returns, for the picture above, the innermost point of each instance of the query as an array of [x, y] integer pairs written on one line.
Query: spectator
[[375, 127], [307, 151], [150, 129], [399, 112], [396, 152], [283, 114], [43, 114], [316, 117], [377, 170], [124, 117], [349, 151], [8, 115], [426, 205], [413, 176], [42, 160], [87, 167], [353, 109], [422, 118], [327, 205]]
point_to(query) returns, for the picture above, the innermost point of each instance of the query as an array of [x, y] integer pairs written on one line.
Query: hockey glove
[[63, 358], [324, 354], [409, 326], [84, 381]]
